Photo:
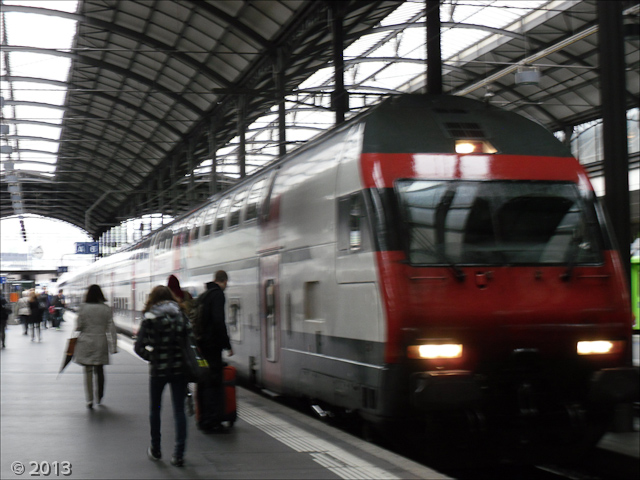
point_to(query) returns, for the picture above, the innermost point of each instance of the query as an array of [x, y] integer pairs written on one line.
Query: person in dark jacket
[[4, 317], [159, 337], [45, 303], [35, 317], [213, 340], [59, 306]]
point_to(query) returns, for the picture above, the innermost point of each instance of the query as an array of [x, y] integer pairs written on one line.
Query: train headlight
[[598, 347], [474, 146], [433, 351]]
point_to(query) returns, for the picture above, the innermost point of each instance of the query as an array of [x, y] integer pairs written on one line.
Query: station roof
[[154, 88]]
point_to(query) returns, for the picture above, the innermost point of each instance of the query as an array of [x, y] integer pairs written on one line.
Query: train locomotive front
[[506, 306]]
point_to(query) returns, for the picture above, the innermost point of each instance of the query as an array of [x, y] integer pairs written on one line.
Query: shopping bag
[[68, 354]]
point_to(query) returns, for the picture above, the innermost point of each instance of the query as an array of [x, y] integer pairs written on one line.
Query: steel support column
[[434, 53], [280, 92], [242, 147], [213, 150], [614, 124], [339, 98], [191, 167]]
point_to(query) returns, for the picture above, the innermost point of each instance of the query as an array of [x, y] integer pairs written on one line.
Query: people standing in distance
[[213, 339], [43, 299], [159, 342], [182, 296], [97, 337], [59, 305], [22, 311], [35, 316]]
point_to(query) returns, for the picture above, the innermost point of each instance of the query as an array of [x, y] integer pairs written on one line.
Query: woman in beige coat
[[97, 337]]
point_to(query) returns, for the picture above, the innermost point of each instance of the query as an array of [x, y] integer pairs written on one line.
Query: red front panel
[[499, 307], [382, 170]]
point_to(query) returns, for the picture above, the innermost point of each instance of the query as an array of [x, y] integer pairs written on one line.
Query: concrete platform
[[44, 420]]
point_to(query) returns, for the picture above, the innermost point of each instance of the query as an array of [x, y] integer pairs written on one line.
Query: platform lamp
[[527, 75]]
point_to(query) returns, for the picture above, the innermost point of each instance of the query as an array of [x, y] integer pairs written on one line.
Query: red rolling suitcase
[[230, 411], [225, 405]]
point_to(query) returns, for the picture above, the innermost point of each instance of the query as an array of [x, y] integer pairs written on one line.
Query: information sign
[[92, 248]]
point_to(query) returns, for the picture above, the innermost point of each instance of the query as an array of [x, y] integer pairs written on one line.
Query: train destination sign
[[92, 248]]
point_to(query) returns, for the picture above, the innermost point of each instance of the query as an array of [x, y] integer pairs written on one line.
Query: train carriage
[[432, 257]]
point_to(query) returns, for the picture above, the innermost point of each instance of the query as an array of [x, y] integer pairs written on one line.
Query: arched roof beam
[[216, 12], [151, 84], [108, 158], [117, 100], [404, 26], [126, 32]]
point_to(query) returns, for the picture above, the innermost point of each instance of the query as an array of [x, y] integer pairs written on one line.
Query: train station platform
[[44, 420]]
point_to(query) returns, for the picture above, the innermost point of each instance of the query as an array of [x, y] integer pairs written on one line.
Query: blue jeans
[[178, 395]]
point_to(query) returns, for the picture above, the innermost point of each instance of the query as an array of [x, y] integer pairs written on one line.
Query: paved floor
[[45, 424]]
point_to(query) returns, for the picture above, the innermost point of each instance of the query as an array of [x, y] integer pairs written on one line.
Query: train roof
[[432, 123]]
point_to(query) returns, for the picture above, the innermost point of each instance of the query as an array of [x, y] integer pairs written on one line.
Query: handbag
[[52, 309], [194, 366]]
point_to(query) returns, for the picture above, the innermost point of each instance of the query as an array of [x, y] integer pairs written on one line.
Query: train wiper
[[572, 255], [457, 271]]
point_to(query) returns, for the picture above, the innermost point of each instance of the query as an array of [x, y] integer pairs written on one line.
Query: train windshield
[[498, 223]]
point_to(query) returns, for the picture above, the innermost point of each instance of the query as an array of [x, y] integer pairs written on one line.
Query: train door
[[270, 321]]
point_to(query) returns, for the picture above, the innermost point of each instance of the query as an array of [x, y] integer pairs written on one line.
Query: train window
[[504, 223], [234, 319], [236, 208], [222, 214], [208, 220], [353, 225], [311, 300], [271, 319], [265, 206], [195, 228], [254, 200]]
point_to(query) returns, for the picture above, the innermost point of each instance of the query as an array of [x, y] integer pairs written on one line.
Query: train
[[435, 262]]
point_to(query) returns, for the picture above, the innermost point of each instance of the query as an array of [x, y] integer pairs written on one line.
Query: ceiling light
[[528, 76]]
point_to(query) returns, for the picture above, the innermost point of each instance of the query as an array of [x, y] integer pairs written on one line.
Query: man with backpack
[[210, 329]]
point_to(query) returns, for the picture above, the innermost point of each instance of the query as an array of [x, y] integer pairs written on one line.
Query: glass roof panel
[[36, 46], [39, 92]]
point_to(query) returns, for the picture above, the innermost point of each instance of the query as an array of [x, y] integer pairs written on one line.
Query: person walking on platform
[[58, 305], [97, 336], [35, 317], [43, 298], [4, 317], [213, 339], [22, 311], [159, 343], [182, 296]]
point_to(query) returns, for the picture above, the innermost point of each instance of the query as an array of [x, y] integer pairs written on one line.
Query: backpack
[[193, 309]]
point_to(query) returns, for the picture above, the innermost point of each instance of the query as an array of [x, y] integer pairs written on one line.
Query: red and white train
[[434, 258]]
